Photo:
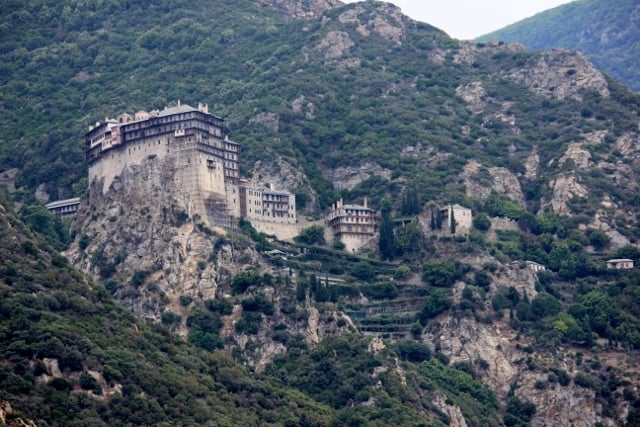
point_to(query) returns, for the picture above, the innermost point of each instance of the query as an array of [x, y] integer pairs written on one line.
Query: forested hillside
[[606, 32], [72, 356], [357, 101]]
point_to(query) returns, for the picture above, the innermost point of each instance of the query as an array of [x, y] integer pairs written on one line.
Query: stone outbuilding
[[620, 264]]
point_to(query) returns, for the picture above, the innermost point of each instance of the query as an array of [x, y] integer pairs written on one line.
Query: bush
[[221, 306], [518, 413], [185, 300], [544, 305], [481, 222], [443, 273], [139, 277], [482, 279], [209, 341], [436, 303], [413, 351], [169, 318], [313, 235], [258, 303], [380, 291], [243, 280]]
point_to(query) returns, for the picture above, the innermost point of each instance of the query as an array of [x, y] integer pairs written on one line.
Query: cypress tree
[[386, 243], [452, 225]]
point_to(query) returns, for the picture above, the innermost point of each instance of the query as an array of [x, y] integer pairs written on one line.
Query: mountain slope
[[606, 32], [360, 101], [72, 356]]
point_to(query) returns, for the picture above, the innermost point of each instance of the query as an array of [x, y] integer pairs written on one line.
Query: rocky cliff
[[300, 8]]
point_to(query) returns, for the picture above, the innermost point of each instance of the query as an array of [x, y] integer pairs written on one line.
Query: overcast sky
[[467, 19]]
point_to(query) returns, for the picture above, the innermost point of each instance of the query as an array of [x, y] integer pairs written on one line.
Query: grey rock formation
[[560, 74]]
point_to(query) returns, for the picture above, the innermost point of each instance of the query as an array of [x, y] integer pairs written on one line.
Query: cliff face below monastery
[[142, 225]]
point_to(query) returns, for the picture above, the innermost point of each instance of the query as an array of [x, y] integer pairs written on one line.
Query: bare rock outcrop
[[560, 74], [456, 419], [303, 107], [283, 174], [496, 352], [143, 232], [268, 120], [474, 95], [480, 182], [577, 155], [335, 44], [300, 8], [565, 187], [349, 177], [386, 21], [9, 418], [468, 50], [532, 165]]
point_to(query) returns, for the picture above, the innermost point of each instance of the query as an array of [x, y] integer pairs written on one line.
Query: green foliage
[[436, 302], [477, 402], [518, 413], [139, 276], [241, 281], [410, 203], [50, 227], [258, 303], [482, 279], [443, 273], [52, 311], [545, 305], [380, 291], [185, 300], [313, 235], [386, 242], [412, 351], [481, 222]]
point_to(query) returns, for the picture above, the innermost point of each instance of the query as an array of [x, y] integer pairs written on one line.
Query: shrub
[[139, 277], [185, 300], [413, 351], [481, 222], [209, 341], [482, 279], [436, 303], [243, 280], [258, 303], [380, 291], [221, 306], [443, 273], [170, 318], [313, 235]]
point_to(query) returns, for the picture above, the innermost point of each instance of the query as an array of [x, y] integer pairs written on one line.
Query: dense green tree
[[386, 242], [410, 203], [443, 273], [313, 235], [481, 222], [435, 303]]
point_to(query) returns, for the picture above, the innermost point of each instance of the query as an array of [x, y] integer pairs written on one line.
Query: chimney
[[203, 107], [366, 202]]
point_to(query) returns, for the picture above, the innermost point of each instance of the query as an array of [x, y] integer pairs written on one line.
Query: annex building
[[354, 225]]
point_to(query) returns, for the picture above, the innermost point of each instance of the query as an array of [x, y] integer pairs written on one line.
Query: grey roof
[[358, 207], [277, 192], [65, 202], [183, 108]]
